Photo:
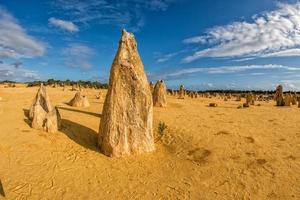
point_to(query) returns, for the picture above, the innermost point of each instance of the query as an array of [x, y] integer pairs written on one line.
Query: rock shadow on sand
[[26, 115], [80, 134], [2, 193], [80, 111]]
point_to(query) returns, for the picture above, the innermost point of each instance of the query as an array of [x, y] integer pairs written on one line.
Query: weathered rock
[[127, 117], [181, 92], [287, 100], [79, 100], [151, 85], [41, 114], [159, 94], [249, 99], [279, 96], [52, 121], [41, 99], [38, 117], [294, 99]]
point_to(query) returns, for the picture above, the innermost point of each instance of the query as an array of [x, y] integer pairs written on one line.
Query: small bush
[[161, 130]]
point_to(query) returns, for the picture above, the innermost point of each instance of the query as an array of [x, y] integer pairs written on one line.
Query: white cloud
[[78, 56], [14, 41], [62, 24], [229, 69], [10, 72], [273, 33], [165, 58], [290, 84], [128, 13], [284, 53]]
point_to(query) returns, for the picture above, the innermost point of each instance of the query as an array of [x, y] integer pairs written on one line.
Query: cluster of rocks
[[126, 126], [42, 115]]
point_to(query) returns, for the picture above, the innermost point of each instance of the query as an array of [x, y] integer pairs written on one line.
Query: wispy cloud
[[227, 70], [78, 56], [64, 25], [123, 13], [14, 41], [274, 33], [10, 72]]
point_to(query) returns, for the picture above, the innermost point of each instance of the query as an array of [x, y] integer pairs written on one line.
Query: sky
[[204, 45]]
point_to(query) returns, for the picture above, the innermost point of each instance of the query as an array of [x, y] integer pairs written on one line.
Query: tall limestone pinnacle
[[127, 117]]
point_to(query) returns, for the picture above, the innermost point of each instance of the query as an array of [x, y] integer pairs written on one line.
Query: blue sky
[[215, 44]]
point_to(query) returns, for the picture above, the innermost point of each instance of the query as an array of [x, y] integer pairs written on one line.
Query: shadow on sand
[[26, 115], [80, 134], [2, 193], [80, 111]]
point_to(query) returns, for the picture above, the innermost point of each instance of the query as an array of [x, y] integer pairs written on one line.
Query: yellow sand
[[205, 153]]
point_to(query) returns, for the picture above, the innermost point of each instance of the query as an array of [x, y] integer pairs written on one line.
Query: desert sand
[[205, 152]]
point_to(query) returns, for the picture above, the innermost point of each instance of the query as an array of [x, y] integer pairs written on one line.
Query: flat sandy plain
[[205, 153]]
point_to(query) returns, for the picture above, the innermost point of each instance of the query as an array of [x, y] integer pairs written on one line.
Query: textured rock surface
[[42, 115], [79, 100], [38, 117], [279, 96], [41, 99], [160, 94], [53, 121], [127, 117]]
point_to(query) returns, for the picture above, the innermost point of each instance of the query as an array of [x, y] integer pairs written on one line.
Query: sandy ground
[[205, 153]]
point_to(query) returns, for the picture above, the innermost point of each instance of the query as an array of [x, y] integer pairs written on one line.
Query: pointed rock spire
[[126, 122], [160, 94], [41, 113]]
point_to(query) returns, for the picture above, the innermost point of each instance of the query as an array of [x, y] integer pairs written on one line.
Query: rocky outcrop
[[79, 100], [127, 117], [160, 94], [279, 96], [42, 115], [181, 92]]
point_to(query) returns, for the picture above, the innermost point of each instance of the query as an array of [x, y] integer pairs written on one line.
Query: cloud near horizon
[[21, 74], [226, 70], [271, 34]]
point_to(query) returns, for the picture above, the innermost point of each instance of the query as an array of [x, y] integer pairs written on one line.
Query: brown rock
[[41, 99], [79, 100], [52, 121], [279, 96], [127, 117], [42, 115], [159, 94], [38, 116], [181, 92]]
